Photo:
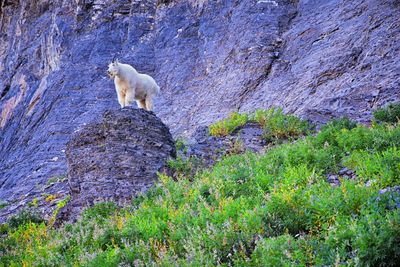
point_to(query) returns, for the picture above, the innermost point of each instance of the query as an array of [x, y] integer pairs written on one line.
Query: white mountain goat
[[132, 85]]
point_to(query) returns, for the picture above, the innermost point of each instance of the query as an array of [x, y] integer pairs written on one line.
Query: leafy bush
[[389, 114], [101, 210], [339, 124], [184, 166], [278, 125], [328, 133], [180, 145], [25, 216], [229, 125], [383, 168], [375, 236], [361, 137], [264, 116], [4, 228]]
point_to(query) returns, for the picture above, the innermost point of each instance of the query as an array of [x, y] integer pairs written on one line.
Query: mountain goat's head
[[113, 69]]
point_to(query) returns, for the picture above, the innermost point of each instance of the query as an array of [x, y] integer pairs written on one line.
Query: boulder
[[117, 158]]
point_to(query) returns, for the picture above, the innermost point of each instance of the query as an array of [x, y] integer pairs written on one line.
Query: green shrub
[[3, 204], [25, 216], [370, 240], [180, 145], [278, 125], [355, 139], [388, 114], [310, 209], [100, 211], [377, 239], [384, 136], [283, 250], [4, 228], [325, 158], [339, 124], [264, 116], [184, 166], [229, 125], [361, 137], [382, 168], [329, 132]]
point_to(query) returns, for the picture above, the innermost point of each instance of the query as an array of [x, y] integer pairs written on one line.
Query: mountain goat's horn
[[114, 58]]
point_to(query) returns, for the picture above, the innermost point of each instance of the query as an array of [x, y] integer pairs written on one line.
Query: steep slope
[[315, 58]]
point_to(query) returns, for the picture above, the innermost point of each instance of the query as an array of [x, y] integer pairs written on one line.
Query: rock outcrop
[[316, 58], [118, 158]]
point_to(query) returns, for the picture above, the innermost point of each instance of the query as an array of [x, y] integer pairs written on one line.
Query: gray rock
[[343, 173], [116, 159], [333, 179], [394, 195], [390, 189]]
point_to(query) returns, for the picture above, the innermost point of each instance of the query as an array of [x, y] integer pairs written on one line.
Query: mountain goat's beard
[[111, 75]]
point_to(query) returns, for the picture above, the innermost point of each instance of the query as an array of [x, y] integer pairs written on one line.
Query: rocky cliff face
[[319, 59], [316, 58]]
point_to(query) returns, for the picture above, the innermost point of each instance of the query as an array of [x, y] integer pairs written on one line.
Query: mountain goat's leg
[[129, 98], [121, 99], [141, 103], [149, 102], [120, 94]]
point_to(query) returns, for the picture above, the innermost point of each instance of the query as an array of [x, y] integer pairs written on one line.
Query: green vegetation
[[34, 203], [229, 125], [180, 145], [3, 204], [275, 209], [59, 206], [25, 216], [277, 125], [184, 166], [57, 179], [389, 114]]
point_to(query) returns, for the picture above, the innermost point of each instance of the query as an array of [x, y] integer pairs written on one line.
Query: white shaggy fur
[[132, 85]]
